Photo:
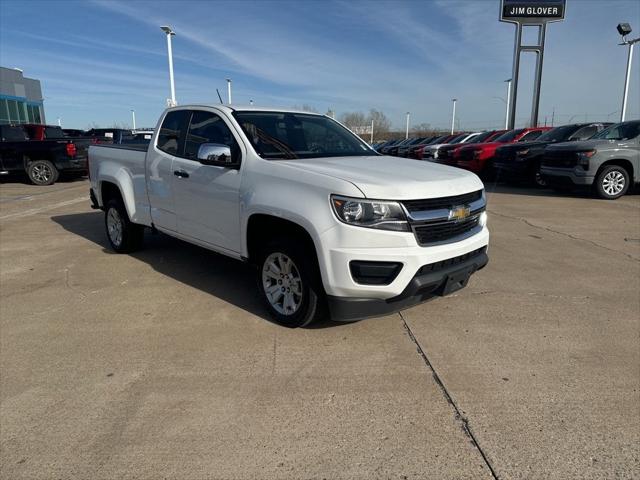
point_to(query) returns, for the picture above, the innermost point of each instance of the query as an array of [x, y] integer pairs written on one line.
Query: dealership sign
[[532, 11]]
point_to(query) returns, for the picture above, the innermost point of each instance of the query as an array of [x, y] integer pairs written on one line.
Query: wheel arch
[[620, 162]]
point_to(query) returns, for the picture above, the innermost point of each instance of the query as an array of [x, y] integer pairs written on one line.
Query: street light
[[166, 29], [133, 117], [506, 115], [229, 90], [406, 136], [624, 29], [453, 117]]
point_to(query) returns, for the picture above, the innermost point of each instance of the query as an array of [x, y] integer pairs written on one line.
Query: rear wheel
[[289, 283], [612, 182], [42, 172], [124, 236]]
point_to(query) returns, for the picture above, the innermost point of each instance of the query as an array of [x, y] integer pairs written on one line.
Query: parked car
[[609, 162], [448, 154], [383, 148], [521, 162], [393, 149], [41, 160], [406, 151], [43, 132], [479, 158], [402, 151], [431, 152], [73, 132], [418, 151], [115, 136], [291, 192]]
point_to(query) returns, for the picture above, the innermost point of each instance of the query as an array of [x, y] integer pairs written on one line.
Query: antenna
[[218, 91]]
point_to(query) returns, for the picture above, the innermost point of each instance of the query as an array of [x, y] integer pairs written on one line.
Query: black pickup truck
[[42, 160]]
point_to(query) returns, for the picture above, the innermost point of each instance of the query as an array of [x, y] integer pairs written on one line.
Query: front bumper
[[344, 244], [513, 169], [575, 175], [440, 278]]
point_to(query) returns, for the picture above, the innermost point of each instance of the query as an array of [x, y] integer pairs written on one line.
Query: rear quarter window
[[172, 132]]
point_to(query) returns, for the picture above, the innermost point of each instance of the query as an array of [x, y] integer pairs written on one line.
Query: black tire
[[537, 179], [309, 305], [42, 172], [611, 182], [130, 234]]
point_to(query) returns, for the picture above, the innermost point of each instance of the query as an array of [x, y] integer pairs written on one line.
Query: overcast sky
[[99, 59]]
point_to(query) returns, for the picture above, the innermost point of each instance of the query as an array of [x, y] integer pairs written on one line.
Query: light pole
[[624, 29], [166, 29], [251, 102], [506, 115], [406, 135], [59, 122], [453, 117], [133, 118], [229, 91]]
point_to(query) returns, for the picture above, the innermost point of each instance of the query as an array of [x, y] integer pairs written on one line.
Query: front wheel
[[612, 182], [42, 172], [537, 178], [290, 284], [124, 236]]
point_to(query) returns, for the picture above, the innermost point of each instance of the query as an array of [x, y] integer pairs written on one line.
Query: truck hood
[[583, 145], [393, 178]]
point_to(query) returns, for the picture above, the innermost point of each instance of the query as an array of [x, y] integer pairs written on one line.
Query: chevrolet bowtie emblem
[[459, 212]]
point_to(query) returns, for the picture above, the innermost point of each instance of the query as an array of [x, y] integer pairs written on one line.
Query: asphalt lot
[[163, 364]]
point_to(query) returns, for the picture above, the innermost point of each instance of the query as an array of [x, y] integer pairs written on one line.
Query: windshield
[[509, 136], [459, 138], [558, 134], [480, 138], [287, 135], [621, 131]]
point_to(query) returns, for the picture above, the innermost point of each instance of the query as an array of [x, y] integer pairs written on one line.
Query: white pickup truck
[[330, 224]]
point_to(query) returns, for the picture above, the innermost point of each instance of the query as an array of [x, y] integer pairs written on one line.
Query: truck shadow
[[220, 276]]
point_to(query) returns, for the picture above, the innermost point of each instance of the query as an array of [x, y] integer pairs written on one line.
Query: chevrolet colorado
[[327, 221]]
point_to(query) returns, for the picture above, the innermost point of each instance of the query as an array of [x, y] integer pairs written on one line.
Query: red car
[[448, 154], [479, 157]]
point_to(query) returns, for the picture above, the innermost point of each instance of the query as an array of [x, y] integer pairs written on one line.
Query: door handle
[[181, 173]]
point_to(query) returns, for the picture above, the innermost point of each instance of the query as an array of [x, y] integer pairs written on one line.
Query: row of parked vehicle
[[43, 152], [603, 156]]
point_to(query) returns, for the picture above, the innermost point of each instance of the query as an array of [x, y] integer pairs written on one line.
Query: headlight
[[583, 158], [522, 153], [483, 219], [370, 213]]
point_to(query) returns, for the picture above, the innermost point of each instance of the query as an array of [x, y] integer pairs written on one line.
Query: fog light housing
[[374, 273]]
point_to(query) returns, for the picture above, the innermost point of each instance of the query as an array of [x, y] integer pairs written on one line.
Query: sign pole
[[514, 76], [538, 79]]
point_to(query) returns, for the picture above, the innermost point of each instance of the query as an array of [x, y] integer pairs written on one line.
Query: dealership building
[[20, 98]]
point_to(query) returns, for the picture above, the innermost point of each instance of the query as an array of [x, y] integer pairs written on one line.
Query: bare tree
[[305, 108], [381, 123], [353, 119]]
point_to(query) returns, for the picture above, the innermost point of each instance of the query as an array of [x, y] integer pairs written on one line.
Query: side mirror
[[216, 154]]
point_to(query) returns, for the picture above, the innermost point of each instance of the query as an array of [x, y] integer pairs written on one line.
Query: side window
[[531, 136], [207, 127], [171, 135], [584, 133]]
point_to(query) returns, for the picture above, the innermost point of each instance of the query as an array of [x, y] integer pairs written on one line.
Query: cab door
[[207, 197], [159, 169]]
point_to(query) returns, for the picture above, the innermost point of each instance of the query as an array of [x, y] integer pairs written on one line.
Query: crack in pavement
[[551, 230], [466, 428]]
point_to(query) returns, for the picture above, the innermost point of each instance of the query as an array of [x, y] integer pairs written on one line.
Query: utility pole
[[229, 91], [453, 116], [372, 131], [166, 29], [133, 116], [406, 136]]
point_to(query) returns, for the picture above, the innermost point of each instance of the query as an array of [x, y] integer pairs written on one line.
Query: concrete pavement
[[163, 364]]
